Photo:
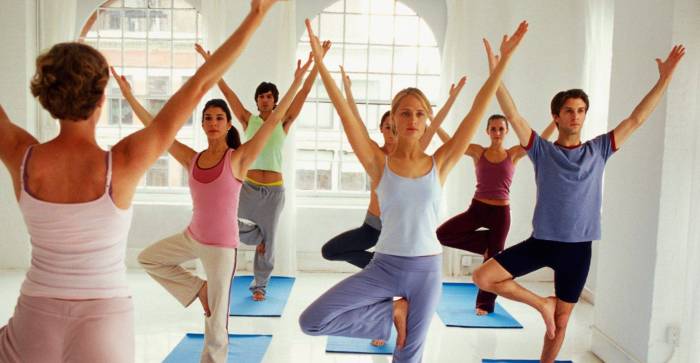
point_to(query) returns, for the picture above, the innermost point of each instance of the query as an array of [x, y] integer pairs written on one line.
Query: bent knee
[[328, 252], [309, 324], [482, 279], [145, 259]]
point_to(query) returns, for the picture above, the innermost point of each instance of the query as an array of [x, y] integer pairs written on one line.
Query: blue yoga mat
[[520, 361], [242, 303], [456, 308], [241, 348], [360, 345]]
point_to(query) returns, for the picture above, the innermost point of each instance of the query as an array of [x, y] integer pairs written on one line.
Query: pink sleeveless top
[[78, 249], [215, 203], [493, 179]]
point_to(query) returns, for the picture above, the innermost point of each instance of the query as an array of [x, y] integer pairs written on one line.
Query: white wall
[[18, 19], [644, 260]]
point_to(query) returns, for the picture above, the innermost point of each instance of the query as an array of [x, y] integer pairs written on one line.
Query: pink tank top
[[78, 249], [493, 179], [215, 203]]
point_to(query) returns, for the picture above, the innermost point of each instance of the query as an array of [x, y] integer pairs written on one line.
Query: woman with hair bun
[[215, 180], [74, 303]]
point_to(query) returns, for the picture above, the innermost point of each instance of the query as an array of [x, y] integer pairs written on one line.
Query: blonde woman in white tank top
[[407, 260]]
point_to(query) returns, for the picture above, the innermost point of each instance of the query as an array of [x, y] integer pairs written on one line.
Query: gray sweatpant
[[361, 306], [261, 205]]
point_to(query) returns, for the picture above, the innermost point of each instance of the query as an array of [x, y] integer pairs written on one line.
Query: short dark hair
[[70, 80], [265, 87], [233, 140], [385, 117], [560, 99], [496, 116]]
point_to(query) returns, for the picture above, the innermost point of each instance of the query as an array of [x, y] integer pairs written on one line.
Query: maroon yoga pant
[[461, 232]]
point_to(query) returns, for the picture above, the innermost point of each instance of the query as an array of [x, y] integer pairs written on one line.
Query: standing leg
[[498, 224], [352, 246], [572, 263], [219, 265], [551, 347], [423, 290], [267, 218], [162, 261], [496, 276]]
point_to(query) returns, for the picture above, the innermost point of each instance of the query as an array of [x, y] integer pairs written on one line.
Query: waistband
[[419, 263], [486, 205], [373, 221], [77, 308], [278, 183]]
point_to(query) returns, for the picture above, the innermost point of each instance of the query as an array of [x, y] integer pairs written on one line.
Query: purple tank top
[[493, 179]]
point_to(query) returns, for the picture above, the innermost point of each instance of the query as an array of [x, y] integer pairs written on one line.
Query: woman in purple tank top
[[490, 207]]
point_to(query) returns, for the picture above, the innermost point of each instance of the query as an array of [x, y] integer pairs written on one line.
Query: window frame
[[364, 103]]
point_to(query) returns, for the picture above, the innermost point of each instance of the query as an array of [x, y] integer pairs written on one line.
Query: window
[[151, 42], [380, 60]]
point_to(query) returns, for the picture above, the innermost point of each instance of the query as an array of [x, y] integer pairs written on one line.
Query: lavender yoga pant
[[45, 330], [461, 232], [361, 306]]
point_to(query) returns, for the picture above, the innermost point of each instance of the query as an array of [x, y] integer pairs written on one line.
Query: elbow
[[636, 120]]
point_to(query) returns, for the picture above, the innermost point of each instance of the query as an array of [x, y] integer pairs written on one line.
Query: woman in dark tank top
[[490, 208]]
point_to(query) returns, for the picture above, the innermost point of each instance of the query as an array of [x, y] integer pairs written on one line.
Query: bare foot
[[400, 317], [547, 311], [258, 295], [260, 248], [378, 342], [481, 312], [202, 295]]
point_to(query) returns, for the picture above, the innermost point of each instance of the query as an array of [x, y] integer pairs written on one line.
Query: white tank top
[[78, 249], [410, 208]]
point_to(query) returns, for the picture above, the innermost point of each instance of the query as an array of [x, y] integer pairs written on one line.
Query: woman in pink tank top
[[215, 176], [490, 207], [74, 305]]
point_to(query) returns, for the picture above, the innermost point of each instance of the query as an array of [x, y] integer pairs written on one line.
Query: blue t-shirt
[[569, 188]]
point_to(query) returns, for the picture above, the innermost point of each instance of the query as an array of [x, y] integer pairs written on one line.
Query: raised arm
[[651, 100], [369, 154], [14, 141], [242, 114], [505, 101], [135, 153], [347, 87], [181, 152], [517, 152], [249, 151], [436, 121], [473, 150], [450, 152], [300, 98]]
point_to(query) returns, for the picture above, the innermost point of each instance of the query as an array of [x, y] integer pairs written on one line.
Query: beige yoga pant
[[162, 261]]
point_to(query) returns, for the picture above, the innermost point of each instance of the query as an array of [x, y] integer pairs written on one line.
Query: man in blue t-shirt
[[569, 178]]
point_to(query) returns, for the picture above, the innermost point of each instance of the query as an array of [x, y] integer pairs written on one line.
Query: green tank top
[[271, 156]]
